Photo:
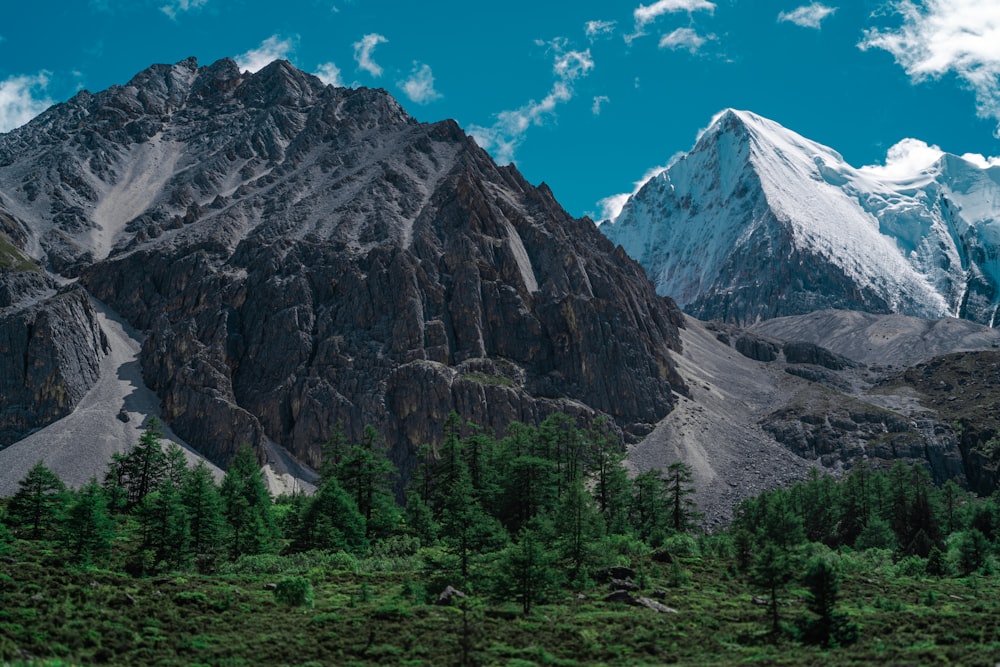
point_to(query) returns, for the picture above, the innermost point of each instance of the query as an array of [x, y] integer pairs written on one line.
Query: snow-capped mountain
[[758, 222]]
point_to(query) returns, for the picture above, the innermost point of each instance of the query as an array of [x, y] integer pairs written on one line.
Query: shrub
[[295, 592]]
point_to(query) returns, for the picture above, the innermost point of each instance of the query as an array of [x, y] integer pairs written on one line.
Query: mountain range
[[261, 258]]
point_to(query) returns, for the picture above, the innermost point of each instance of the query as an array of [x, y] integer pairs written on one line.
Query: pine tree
[[247, 507], [682, 508], [163, 524], [87, 530], [140, 471], [579, 527], [330, 521], [605, 468], [34, 510], [203, 505], [466, 529], [367, 475], [649, 509], [529, 568], [823, 583], [771, 571]]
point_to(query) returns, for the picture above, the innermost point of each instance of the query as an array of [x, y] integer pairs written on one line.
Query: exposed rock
[[449, 595], [607, 574], [662, 556], [758, 348], [800, 352], [623, 585], [622, 597], [656, 606], [50, 349]]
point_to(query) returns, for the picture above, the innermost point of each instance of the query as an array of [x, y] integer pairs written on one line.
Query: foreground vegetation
[[559, 558]]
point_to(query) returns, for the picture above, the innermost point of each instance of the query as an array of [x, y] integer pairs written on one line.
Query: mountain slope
[[758, 222], [299, 254]]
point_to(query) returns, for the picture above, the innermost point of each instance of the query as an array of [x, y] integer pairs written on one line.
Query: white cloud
[[363, 53], [22, 98], [505, 135], [807, 16], [175, 7], [905, 160], [909, 157], [611, 207], [684, 38], [599, 101], [419, 87], [981, 161], [329, 74], [271, 49], [646, 14], [939, 37], [597, 29]]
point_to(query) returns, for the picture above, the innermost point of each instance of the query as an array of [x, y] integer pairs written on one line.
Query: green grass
[[12, 258], [79, 616], [494, 380]]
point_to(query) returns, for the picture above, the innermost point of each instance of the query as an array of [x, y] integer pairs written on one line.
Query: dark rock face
[[306, 254], [757, 348], [840, 436], [797, 352], [50, 350]]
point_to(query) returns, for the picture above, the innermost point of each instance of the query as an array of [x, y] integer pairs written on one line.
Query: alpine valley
[[259, 257]]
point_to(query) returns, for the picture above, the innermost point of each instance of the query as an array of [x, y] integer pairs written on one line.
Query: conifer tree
[[579, 527], [682, 507], [529, 568], [648, 511], [604, 467], [163, 524], [34, 510], [366, 474], [823, 583], [247, 507], [87, 530], [140, 471], [771, 571], [203, 505], [330, 521]]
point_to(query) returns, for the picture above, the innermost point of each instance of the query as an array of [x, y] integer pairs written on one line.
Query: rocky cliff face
[[300, 254], [50, 351]]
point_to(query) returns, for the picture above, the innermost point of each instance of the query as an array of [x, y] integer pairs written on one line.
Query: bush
[[682, 545], [295, 592]]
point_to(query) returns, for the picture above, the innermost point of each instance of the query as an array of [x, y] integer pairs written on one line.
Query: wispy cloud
[[22, 98], [271, 49], [939, 37], [807, 16], [506, 134], [597, 29], [419, 87], [611, 207], [646, 14], [684, 38], [175, 7], [329, 74], [599, 102], [363, 51]]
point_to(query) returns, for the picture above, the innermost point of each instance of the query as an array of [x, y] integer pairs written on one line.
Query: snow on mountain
[[758, 221]]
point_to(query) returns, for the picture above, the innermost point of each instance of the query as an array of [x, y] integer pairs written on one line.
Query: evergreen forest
[[534, 548]]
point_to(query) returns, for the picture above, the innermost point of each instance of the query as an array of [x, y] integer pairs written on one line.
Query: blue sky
[[585, 96]]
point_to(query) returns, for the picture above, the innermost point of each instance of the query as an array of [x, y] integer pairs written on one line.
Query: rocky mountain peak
[[299, 254]]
